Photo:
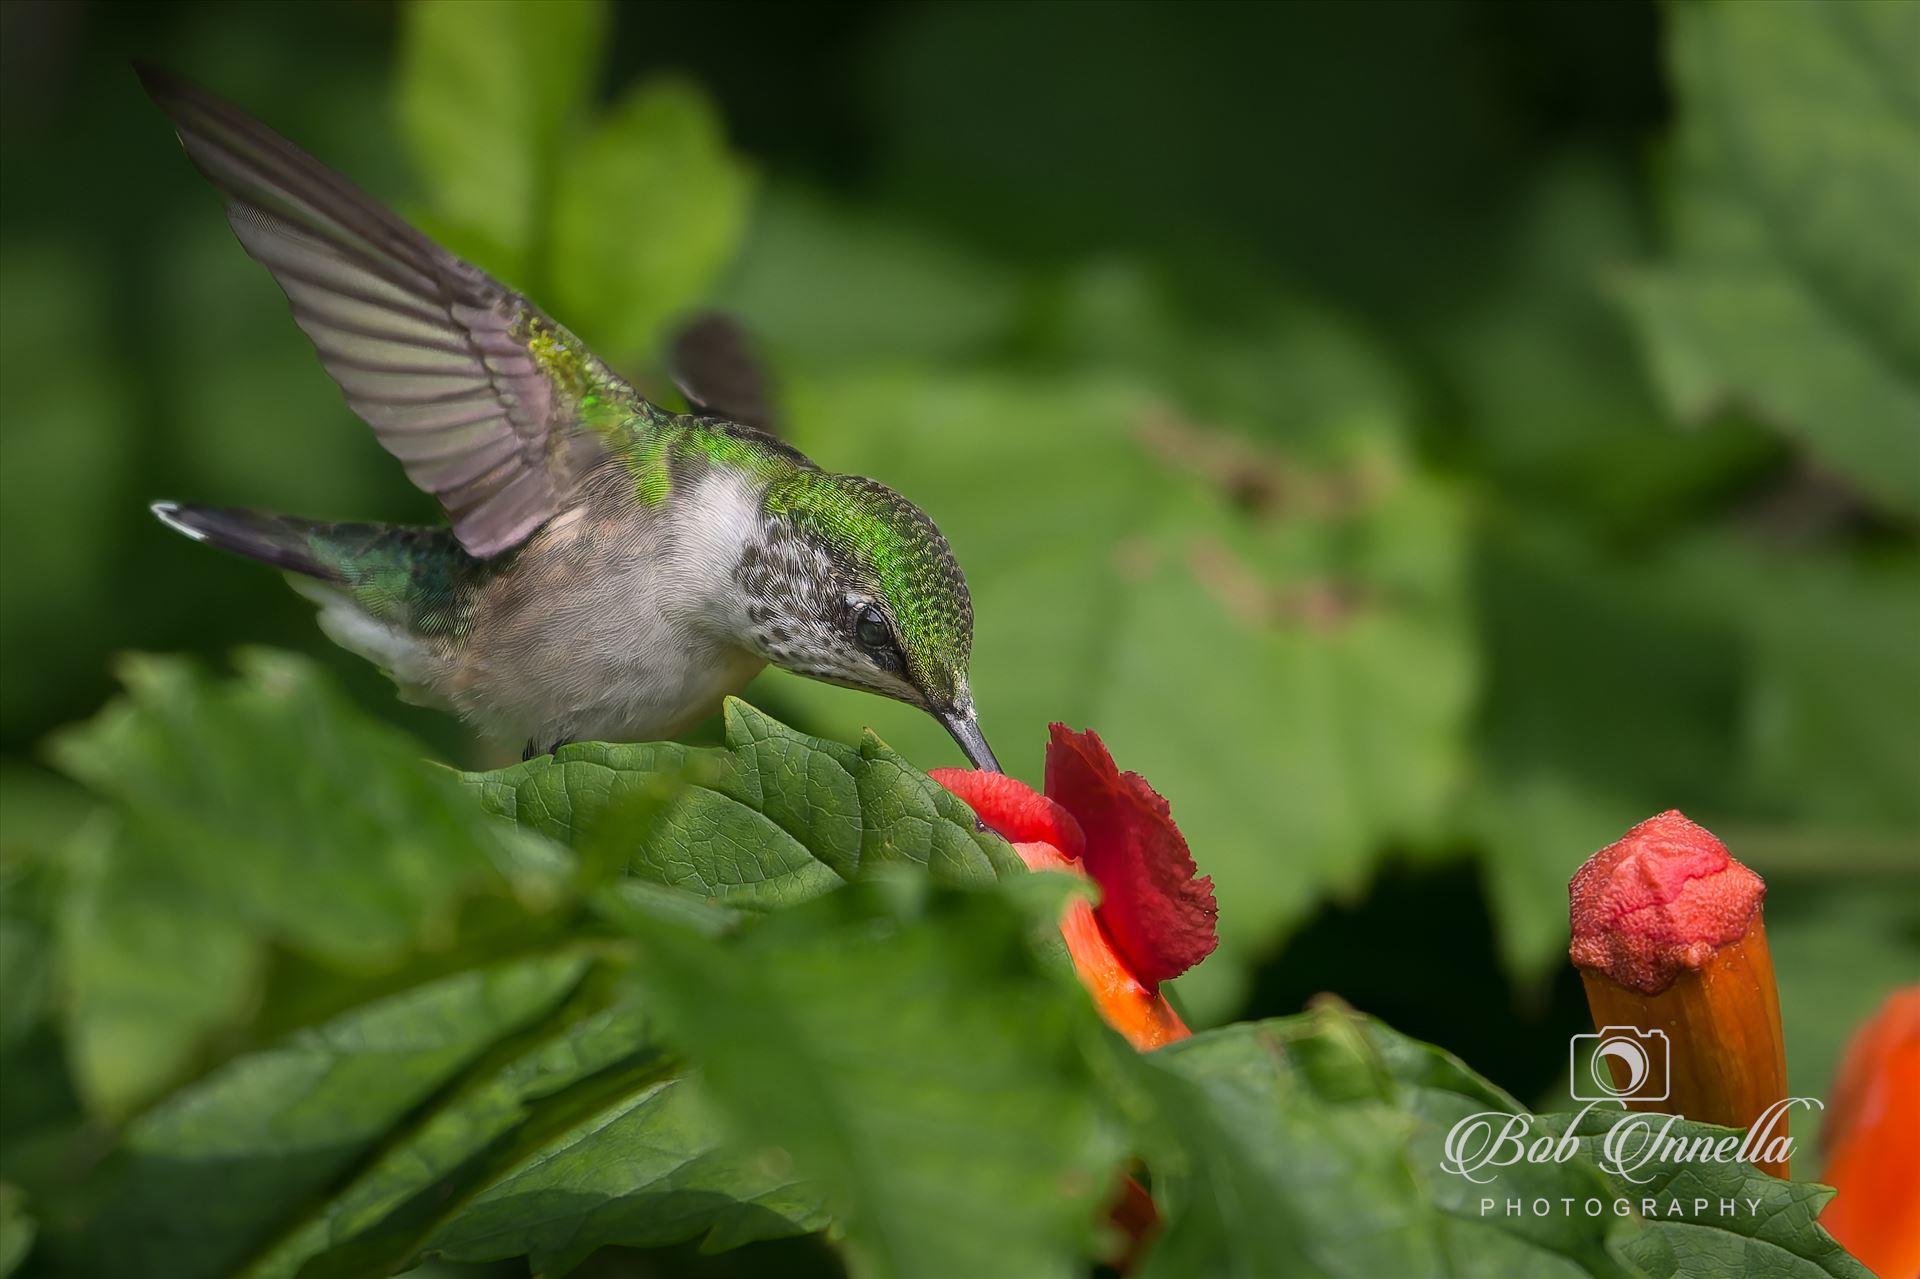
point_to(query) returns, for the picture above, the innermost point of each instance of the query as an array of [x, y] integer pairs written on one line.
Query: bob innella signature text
[[1480, 1145]]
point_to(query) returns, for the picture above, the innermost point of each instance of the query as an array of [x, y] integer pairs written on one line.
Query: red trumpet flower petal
[[1143, 869], [1155, 906], [1659, 901], [1013, 810]]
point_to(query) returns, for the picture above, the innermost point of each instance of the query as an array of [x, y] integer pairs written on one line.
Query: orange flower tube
[[1137, 1011], [1873, 1142], [1670, 942]]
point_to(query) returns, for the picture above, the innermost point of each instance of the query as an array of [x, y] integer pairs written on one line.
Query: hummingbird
[[609, 570]]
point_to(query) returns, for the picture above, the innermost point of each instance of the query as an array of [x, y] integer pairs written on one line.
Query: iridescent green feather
[[416, 578], [658, 448], [871, 525]]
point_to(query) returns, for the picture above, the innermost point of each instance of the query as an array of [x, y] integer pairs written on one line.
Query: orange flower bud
[[1668, 937], [1873, 1142]]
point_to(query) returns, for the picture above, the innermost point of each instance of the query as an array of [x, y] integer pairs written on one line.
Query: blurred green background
[[1423, 439]]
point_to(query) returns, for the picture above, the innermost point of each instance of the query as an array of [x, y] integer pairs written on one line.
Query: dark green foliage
[[640, 1003], [1415, 436]]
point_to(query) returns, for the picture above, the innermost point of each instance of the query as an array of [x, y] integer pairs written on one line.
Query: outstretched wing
[[713, 362], [463, 380]]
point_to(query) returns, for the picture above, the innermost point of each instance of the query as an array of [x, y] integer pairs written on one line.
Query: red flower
[[1156, 916]]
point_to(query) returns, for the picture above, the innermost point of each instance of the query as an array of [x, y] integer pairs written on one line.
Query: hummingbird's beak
[[965, 727]]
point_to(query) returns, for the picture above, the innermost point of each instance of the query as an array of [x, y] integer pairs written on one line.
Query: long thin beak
[[965, 727]]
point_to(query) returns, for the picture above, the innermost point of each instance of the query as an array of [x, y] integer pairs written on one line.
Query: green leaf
[[1320, 1140], [1291, 1145], [206, 1175], [16, 1230], [1121, 582], [770, 819], [279, 802], [614, 224], [30, 891], [489, 98], [1262, 363], [909, 1051], [493, 1108], [39, 812], [646, 211], [1793, 288], [256, 809], [439, 1098], [1836, 690], [656, 1167], [475, 1116], [576, 1135], [830, 285], [152, 972], [1552, 395], [37, 1093]]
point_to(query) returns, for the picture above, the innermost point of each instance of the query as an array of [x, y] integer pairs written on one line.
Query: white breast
[[623, 635]]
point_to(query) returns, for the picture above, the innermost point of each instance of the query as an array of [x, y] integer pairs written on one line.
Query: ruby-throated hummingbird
[[613, 569]]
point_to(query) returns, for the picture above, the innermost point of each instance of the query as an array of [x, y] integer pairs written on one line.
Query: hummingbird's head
[[854, 585]]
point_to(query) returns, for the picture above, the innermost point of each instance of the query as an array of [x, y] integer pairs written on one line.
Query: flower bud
[[1668, 937]]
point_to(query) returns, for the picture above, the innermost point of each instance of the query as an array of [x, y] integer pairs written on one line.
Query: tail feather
[[413, 578], [387, 592], [280, 540]]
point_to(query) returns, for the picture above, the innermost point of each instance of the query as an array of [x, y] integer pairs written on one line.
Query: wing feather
[[431, 352], [715, 365]]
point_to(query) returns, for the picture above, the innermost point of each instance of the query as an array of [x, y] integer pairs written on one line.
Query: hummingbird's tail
[[385, 591], [404, 579], [280, 540]]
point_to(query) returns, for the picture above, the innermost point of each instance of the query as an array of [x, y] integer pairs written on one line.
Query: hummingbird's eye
[[872, 629]]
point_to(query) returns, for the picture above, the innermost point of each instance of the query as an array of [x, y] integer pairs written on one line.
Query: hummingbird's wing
[[714, 364], [466, 382]]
